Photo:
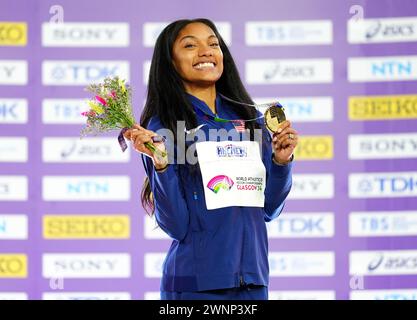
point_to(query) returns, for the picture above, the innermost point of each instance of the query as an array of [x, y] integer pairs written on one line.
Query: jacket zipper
[[242, 283]]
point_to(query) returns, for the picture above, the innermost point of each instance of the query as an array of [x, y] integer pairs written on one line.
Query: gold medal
[[273, 117]]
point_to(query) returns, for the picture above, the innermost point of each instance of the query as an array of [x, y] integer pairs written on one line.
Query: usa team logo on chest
[[231, 150]]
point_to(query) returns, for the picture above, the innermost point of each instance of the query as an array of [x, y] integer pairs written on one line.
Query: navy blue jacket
[[220, 248]]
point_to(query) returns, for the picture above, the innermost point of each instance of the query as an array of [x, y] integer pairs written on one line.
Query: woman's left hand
[[284, 142]]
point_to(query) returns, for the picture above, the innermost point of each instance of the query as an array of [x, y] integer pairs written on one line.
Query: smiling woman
[[198, 59], [214, 210]]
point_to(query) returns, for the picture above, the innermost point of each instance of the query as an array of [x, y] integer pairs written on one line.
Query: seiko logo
[[11, 33], [389, 30], [80, 226], [11, 266], [315, 146], [407, 106]]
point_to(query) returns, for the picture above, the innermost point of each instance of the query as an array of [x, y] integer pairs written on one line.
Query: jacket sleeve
[[171, 210], [278, 182]]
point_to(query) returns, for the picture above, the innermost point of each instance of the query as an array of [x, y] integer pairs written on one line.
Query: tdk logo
[[13, 110], [79, 71], [8, 111], [402, 184], [299, 225], [394, 184], [82, 72]]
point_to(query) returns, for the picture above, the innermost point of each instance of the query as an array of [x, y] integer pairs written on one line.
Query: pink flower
[[101, 100], [85, 114], [113, 94]]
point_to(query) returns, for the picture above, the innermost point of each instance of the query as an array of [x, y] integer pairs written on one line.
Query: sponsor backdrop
[[71, 224]]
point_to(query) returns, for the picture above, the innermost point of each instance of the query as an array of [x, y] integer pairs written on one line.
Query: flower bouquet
[[111, 109]]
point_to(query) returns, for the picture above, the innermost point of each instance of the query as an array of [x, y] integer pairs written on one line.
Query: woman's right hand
[[139, 136]]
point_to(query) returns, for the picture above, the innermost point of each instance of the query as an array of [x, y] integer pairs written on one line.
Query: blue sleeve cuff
[[280, 170]]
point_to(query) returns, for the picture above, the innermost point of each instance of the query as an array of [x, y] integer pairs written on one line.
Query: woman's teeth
[[204, 65]]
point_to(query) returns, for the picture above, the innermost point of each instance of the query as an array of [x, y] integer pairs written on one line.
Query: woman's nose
[[205, 51]]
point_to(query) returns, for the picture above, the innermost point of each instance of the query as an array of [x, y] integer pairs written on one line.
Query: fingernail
[[279, 130]]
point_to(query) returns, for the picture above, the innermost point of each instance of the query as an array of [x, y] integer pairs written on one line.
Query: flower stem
[[155, 150]]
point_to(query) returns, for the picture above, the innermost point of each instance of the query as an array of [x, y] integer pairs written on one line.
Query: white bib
[[233, 173]]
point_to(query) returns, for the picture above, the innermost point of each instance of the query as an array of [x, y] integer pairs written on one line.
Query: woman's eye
[[189, 45], [214, 44]]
